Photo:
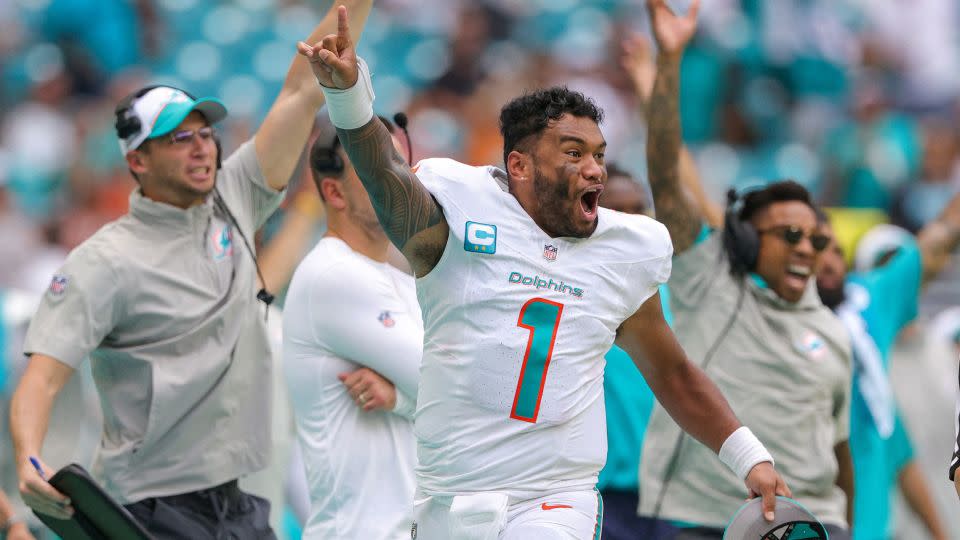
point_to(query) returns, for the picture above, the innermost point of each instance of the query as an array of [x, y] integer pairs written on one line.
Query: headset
[[127, 123], [326, 158], [400, 119], [740, 238]]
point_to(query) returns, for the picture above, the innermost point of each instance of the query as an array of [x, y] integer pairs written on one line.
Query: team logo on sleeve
[[58, 285], [550, 252], [480, 238], [386, 320]]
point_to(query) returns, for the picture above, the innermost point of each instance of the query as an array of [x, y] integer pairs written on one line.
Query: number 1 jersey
[[516, 326]]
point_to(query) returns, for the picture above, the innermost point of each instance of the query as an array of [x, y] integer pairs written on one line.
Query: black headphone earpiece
[[127, 123], [740, 238], [327, 159], [216, 141]]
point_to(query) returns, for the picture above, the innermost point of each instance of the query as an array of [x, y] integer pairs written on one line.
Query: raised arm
[[280, 257], [638, 62], [939, 238], [693, 401], [407, 211], [283, 135], [674, 206], [404, 206]]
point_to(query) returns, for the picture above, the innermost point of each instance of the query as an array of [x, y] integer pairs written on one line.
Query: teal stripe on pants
[[599, 527]]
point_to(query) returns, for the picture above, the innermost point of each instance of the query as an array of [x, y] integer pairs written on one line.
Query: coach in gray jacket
[[747, 312], [164, 300]]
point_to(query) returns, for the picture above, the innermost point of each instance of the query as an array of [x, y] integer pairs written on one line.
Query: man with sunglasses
[[164, 301], [747, 311]]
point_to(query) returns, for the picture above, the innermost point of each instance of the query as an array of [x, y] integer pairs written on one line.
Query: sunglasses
[[793, 235], [185, 137]]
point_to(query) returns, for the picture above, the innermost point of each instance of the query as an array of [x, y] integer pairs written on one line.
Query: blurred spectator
[[926, 73], [873, 153], [41, 140], [920, 202]]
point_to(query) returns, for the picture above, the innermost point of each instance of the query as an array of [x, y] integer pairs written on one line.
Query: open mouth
[[199, 173], [798, 274], [590, 201]]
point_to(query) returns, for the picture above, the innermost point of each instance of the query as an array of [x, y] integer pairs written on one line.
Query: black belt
[[228, 491]]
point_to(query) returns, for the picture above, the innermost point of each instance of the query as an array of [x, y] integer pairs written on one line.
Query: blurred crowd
[[858, 100], [855, 99]]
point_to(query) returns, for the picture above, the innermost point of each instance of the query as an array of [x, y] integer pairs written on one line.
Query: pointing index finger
[[343, 26]]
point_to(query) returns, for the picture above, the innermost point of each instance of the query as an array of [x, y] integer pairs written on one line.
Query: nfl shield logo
[[58, 285], [550, 252], [386, 320]]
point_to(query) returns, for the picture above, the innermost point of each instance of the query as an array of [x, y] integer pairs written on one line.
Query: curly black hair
[[524, 119]]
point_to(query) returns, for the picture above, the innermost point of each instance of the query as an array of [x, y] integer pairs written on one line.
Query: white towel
[[868, 365], [478, 517]]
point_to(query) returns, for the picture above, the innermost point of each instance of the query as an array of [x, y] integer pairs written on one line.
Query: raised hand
[[671, 31], [637, 62], [333, 59]]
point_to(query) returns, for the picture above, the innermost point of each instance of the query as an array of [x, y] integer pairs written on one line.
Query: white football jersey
[[516, 326], [345, 311]]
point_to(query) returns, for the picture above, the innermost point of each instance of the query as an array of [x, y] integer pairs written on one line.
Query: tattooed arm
[[638, 62], [674, 206], [409, 214]]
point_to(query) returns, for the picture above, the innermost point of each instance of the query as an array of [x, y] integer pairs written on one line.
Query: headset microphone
[[400, 119]]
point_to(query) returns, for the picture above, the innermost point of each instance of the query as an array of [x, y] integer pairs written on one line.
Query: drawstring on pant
[[220, 507]]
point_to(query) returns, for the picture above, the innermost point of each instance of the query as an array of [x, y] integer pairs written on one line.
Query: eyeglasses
[[185, 137], [793, 234]]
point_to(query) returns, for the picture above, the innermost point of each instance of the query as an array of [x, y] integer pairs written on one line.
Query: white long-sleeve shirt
[[345, 311]]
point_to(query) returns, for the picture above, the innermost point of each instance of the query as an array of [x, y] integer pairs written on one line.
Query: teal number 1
[[541, 317]]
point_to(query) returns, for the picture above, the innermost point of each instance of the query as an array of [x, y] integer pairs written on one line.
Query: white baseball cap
[[877, 242], [158, 111]]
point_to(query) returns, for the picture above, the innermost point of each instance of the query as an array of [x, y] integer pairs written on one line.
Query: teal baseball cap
[[157, 111]]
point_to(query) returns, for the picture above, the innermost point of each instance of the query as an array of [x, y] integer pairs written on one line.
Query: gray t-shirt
[[164, 302], [785, 370]]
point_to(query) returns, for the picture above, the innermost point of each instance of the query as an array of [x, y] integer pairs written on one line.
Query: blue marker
[[36, 465]]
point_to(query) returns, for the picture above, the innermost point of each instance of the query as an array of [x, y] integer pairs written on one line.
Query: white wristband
[[742, 451], [353, 107]]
